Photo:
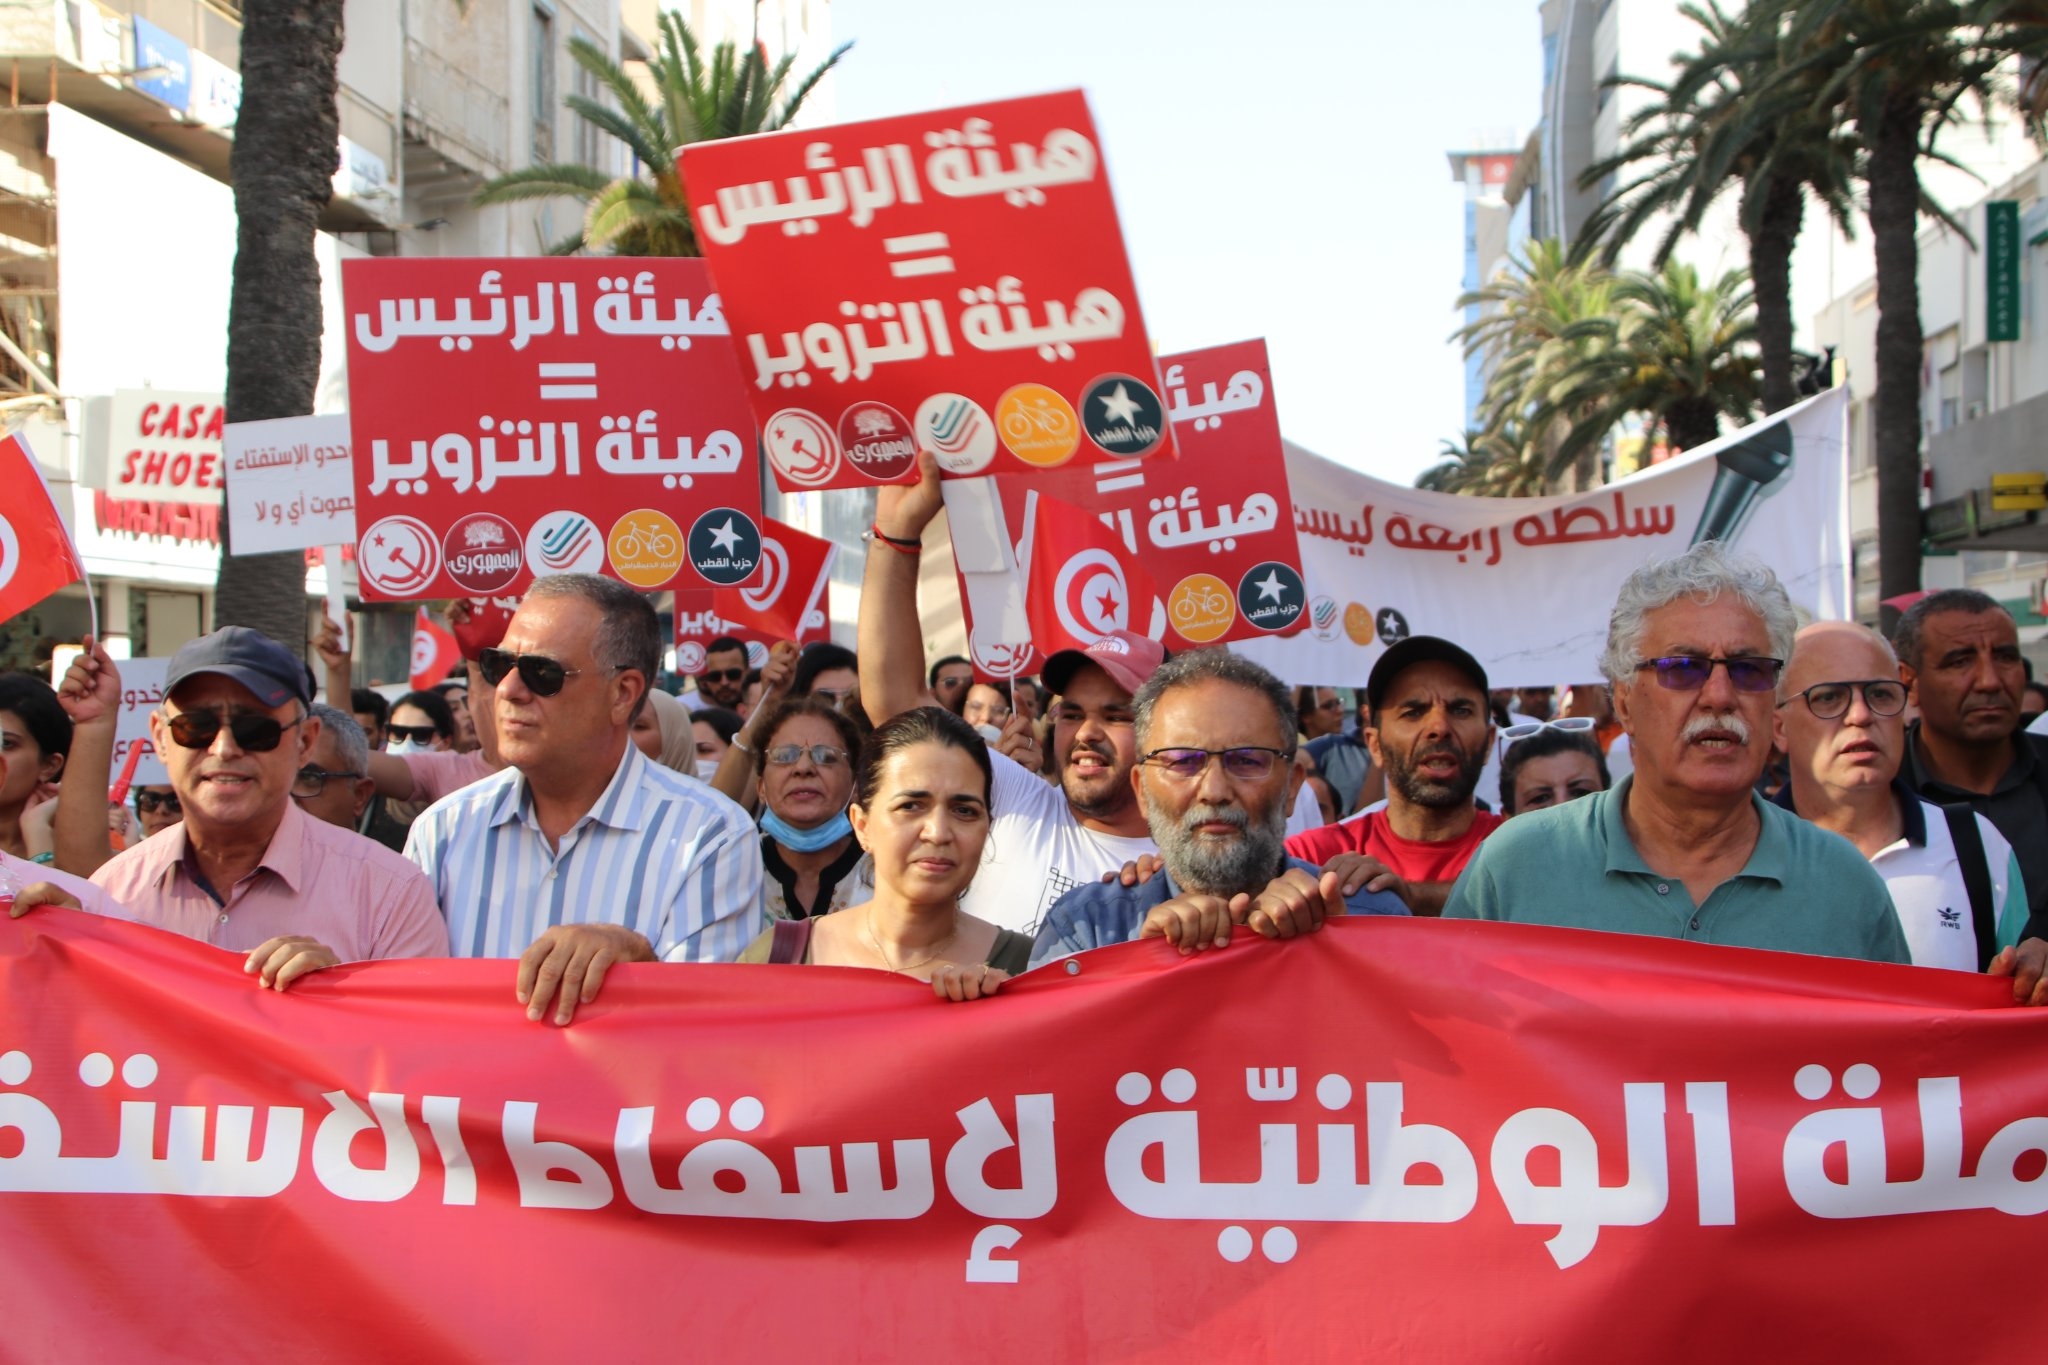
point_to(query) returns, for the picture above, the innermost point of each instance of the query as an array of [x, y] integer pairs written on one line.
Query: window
[[541, 81], [590, 147]]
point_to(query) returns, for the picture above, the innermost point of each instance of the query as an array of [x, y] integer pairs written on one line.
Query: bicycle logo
[[645, 547], [1038, 425], [1201, 608]]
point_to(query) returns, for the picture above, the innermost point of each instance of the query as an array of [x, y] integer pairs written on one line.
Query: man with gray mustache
[[1684, 848], [1215, 743]]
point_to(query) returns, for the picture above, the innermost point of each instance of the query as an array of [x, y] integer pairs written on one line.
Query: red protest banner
[[36, 553], [523, 417], [954, 280], [785, 600], [697, 624], [1497, 1142]]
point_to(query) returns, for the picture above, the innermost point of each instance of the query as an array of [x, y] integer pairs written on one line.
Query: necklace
[[867, 924]]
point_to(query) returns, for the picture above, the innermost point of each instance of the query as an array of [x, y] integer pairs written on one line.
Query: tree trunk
[[1778, 221], [287, 145], [1894, 178], [1692, 422]]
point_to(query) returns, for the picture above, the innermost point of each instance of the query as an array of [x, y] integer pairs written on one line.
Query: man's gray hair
[[628, 631], [348, 736], [1219, 665], [1701, 574]]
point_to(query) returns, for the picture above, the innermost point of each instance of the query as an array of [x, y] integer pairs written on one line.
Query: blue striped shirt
[[660, 853]]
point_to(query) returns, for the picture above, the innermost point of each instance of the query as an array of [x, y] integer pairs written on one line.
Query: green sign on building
[[2002, 270]]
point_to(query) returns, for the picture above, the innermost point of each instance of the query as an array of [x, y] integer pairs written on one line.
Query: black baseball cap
[[1418, 649], [251, 658]]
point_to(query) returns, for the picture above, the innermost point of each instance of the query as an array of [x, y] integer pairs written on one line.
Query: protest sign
[[142, 691], [1518, 1137], [165, 447], [36, 553], [518, 418], [1526, 584], [290, 486], [785, 599], [697, 624], [953, 280]]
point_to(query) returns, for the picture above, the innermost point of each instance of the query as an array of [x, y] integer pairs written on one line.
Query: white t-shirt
[[90, 898], [2040, 725], [1038, 850], [1307, 813], [1926, 882]]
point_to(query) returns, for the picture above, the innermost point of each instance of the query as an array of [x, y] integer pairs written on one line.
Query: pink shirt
[[437, 775], [350, 893], [90, 897]]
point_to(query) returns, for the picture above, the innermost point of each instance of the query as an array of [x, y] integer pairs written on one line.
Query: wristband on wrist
[[904, 547], [44, 858], [739, 742]]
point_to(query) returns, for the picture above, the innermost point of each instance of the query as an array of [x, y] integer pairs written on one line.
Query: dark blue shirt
[[1102, 913]]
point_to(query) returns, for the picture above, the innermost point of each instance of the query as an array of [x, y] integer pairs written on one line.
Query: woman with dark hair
[[1549, 763], [421, 722], [987, 704], [804, 768], [35, 735], [921, 810]]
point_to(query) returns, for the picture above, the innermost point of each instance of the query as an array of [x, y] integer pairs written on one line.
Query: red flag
[[786, 596], [36, 553], [1082, 580], [698, 623], [434, 652]]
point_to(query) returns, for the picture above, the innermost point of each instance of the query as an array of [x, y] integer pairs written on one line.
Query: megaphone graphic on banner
[[1747, 469]]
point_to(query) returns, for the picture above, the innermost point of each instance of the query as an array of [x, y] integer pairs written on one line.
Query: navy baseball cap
[[251, 658], [1418, 649]]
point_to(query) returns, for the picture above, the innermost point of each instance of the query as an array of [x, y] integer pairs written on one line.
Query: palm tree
[[645, 213], [1496, 463], [282, 165], [1726, 118]]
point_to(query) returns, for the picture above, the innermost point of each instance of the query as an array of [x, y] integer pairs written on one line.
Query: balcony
[[456, 128]]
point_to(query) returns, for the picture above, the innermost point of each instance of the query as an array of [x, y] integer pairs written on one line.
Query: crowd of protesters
[[1736, 779]]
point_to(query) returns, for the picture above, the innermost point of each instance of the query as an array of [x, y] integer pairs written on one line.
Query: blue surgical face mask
[[805, 840]]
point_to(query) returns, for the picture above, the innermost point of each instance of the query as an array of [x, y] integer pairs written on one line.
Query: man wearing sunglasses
[[724, 679], [1841, 721], [1215, 737], [1683, 847], [246, 869], [583, 853]]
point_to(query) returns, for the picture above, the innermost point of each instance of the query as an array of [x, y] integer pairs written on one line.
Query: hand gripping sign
[[954, 280], [519, 418]]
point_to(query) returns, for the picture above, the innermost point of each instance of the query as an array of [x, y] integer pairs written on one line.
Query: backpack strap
[[1969, 844], [793, 940]]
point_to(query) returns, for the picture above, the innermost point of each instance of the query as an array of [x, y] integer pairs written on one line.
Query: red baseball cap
[[1127, 657]]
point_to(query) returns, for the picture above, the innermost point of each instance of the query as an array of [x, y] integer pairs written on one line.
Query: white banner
[[142, 690], [164, 446], [289, 485], [1526, 584]]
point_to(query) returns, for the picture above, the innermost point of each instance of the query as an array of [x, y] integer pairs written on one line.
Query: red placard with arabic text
[[954, 280], [523, 417], [1494, 1143]]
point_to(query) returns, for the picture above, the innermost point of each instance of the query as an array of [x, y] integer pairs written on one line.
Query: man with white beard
[[1215, 746], [1684, 848]]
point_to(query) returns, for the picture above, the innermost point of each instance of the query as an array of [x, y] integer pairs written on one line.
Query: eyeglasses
[[1248, 764], [424, 734], [714, 675], [310, 782], [822, 755], [1330, 704], [543, 676], [1831, 700], [1689, 672], [835, 696], [254, 732], [950, 683], [148, 803], [1529, 728]]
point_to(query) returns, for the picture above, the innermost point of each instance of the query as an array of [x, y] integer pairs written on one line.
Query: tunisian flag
[[36, 553], [785, 597], [1082, 580], [434, 652]]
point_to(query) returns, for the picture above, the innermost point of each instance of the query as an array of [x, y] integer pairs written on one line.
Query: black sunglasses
[[543, 676], [424, 734], [147, 803], [254, 733], [723, 674]]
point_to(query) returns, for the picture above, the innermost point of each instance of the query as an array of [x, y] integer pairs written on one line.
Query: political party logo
[[762, 595], [645, 547], [1272, 596], [757, 654], [801, 447], [399, 556], [690, 657], [877, 441], [564, 542], [1322, 617], [1002, 658], [725, 547], [1123, 416], [1391, 625], [958, 430], [1358, 624], [10, 552], [1090, 596], [1038, 426], [483, 552], [1200, 607]]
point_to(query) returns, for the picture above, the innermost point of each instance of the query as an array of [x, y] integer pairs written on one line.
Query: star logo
[[1271, 596], [724, 537], [1120, 406], [725, 547], [1270, 587], [1123, 416]]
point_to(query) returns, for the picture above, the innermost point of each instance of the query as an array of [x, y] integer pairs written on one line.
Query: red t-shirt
[[1414, 860]]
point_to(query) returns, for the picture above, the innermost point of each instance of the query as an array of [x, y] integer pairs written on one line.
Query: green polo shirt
[[1803, 890]]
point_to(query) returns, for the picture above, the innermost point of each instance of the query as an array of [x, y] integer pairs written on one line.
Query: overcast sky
[[1279, 168]]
